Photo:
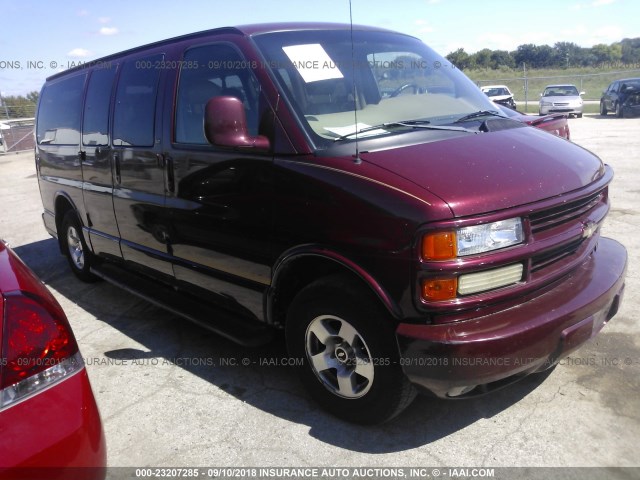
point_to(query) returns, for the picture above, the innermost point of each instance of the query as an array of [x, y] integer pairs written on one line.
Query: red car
[[555, 123], [49, 419]]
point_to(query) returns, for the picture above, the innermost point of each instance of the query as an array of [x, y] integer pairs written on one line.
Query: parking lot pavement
[[172, 394]]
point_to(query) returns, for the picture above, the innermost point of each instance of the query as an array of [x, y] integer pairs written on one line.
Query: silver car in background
[[561, 99]]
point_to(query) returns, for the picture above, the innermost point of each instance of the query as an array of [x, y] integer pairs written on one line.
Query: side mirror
[[582, 93], [225, 125], [540, 94]]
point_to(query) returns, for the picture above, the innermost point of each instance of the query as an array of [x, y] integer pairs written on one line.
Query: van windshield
[[382, 79]]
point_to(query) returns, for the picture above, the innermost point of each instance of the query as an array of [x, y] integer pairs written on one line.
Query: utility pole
[[526, 88]]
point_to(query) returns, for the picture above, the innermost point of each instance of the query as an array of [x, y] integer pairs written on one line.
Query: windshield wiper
[[481, 113], [424, 124]]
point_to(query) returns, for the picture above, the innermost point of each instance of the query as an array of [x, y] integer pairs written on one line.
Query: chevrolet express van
[[344, 184]]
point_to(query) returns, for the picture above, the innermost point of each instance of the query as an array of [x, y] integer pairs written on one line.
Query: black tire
[[75, 248], [579, 115], [603, 109], [618, 110], [357, 346]]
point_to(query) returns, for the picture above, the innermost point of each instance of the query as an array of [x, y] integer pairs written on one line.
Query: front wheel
[[75, 248], [603, 109], [618, 110], [347, 350]]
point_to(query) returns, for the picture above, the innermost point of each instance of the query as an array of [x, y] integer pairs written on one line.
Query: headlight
[[491, 236], [472, 240], [546, 104]]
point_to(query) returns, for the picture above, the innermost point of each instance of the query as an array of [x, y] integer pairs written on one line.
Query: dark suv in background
[[621, 97]]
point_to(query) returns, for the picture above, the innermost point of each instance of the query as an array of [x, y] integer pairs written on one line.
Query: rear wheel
[[347, 348], [75, 248]]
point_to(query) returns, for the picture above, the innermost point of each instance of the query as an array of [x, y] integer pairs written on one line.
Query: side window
[[134, 113], [210, 71], [95, 125], [59, 112]]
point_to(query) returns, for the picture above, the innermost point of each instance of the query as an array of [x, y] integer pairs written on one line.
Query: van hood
[[492, 171]]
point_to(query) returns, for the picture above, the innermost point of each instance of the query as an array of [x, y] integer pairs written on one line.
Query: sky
[[39, 38]]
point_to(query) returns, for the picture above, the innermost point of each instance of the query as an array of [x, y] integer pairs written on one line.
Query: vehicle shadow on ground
[[256, 376], [609, 116]]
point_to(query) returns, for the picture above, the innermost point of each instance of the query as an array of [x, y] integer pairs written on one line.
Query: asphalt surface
[[172, 394]]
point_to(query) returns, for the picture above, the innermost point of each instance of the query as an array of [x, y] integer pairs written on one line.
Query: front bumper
[[568, 109], [631, 110], [507, 102], [474, 356]]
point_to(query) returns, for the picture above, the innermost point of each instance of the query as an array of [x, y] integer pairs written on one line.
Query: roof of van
[[246, 30]]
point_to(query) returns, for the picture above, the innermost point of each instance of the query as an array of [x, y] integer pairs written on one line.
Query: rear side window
[[135, 109], [95, 128], [59, 112]]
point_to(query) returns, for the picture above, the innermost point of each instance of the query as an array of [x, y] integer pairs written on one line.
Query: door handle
[[171, 182], [116, 164]]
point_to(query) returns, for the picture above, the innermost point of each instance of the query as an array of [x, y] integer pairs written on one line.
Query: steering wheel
[[399, 90]]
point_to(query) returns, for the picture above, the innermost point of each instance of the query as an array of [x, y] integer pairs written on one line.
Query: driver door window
[[210, 71]]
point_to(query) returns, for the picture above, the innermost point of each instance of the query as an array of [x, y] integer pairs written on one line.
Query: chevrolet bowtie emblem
[[588, 229]]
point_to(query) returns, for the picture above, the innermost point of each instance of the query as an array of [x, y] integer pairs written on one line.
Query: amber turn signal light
[[439, 246], [439, 289]]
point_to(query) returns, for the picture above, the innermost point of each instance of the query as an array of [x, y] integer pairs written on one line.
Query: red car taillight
[[36, 336], [38, 346]]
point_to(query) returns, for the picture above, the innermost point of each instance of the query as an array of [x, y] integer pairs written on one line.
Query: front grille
[[552, 256], [555, 216], [561, 233]]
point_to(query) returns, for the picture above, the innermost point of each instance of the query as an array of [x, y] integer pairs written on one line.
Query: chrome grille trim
[[556, 216]]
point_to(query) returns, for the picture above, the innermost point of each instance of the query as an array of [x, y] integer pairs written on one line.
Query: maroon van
[[344, 184]]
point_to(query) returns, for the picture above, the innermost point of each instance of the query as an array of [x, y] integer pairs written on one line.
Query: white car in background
[[561, 99], [499, 94]]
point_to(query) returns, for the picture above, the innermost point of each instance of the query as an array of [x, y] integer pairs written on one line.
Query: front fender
[[321, 252]]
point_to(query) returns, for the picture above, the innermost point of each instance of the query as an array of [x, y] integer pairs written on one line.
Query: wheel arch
[[299, 267], [62, 204]]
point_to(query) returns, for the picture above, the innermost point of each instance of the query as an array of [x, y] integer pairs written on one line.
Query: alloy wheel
[[76, 251], [339, 356]]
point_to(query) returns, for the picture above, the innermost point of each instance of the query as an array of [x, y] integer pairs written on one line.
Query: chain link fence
[[529, 88], [16, 127], [17, 135], [23, 110]]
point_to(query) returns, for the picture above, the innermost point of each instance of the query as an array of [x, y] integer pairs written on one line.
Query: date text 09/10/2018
[[331, 473]]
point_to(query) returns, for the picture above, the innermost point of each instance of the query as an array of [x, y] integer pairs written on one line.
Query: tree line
[[18, 106], [562, 55]]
